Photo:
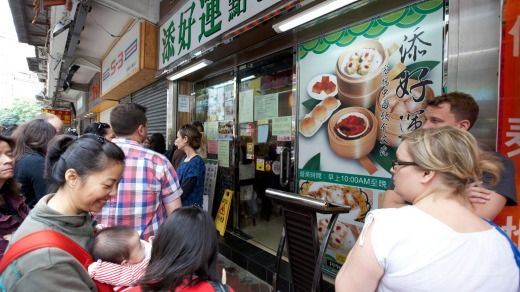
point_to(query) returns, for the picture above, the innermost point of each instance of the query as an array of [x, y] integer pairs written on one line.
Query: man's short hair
[[462, 105], [125, 118]]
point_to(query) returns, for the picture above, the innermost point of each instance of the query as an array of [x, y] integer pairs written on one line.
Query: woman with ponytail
[[83, 174]]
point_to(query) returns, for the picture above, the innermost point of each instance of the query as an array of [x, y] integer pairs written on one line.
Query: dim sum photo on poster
[[361, 89], [225, 130]]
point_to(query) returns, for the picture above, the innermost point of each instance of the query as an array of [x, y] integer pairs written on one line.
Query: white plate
[[359, 115], [322, 95], [354, 212]]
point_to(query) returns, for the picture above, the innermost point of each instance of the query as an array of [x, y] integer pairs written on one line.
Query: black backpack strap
[[219, 287]]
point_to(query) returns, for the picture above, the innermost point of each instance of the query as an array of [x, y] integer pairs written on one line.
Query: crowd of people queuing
[[136, 208], [104, 191]]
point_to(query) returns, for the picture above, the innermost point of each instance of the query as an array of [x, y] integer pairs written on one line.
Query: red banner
[[64, 115], [509, 108]]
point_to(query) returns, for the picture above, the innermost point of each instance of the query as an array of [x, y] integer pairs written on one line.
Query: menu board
[[211, 130], [361, 89], [245, 112], [266, 107]]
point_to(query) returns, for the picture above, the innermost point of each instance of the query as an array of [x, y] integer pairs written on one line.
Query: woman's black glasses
[[395, 163]]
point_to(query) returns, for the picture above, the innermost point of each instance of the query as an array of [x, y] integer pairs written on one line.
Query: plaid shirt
[[149, 180]]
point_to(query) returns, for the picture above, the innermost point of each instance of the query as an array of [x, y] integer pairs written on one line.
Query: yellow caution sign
[[223, 212]]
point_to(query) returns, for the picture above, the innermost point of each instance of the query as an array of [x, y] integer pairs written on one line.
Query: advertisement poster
[[509, 109], [361, 89], [225, 130]]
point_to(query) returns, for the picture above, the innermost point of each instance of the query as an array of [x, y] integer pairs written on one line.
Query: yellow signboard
[[223, 212]]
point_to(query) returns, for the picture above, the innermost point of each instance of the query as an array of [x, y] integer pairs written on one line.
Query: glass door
[[266, 123], [214, 100]]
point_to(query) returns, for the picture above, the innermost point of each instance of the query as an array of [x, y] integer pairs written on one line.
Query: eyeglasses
[[395, 163]]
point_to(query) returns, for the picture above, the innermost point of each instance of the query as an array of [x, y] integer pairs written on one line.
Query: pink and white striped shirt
[[117, 275]]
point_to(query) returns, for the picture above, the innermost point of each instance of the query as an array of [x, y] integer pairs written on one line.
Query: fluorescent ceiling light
[[310, 14], [247, 78], [196, 66], [224, 84]]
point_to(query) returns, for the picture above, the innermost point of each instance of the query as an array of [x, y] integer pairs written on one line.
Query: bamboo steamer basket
[[355, 148], [361, 90], [365, 101], [396, 125]]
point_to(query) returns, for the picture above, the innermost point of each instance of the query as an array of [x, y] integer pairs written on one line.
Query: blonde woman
[[437, 243]]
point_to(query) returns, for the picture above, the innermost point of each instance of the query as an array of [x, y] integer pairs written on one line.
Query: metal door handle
[[283, 182]]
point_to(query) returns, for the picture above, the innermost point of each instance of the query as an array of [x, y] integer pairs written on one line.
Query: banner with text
[[509, 109], [198, 22], [361, 89]]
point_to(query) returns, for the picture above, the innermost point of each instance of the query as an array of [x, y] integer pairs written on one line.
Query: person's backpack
[[49, 238]]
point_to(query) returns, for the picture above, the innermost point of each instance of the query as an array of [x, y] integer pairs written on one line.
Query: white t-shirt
[[420, 253]]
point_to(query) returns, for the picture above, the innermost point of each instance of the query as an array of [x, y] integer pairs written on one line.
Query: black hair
[[198, 124], [9, 130], [111, 244], [86, 155], [185, 249], [35, 135], [97, 128], [157, 143], [125, 118], [193, 134], [10, 188]]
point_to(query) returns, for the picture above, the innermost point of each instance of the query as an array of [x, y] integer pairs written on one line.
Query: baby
[[120, 256]]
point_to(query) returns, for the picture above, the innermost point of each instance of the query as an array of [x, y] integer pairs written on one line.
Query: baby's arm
[[117, 275]]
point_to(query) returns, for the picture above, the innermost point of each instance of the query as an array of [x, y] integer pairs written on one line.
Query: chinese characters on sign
[[509, 109], [64, 115], [379, 75], [200, 21]]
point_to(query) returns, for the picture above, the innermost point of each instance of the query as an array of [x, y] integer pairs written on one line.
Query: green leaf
[[310, 103], [384, 160], [313, 163]]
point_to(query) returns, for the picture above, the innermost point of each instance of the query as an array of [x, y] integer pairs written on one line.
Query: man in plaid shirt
[[149, 190]]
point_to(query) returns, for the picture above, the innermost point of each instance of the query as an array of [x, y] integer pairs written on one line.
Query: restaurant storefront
[[272, 103]]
